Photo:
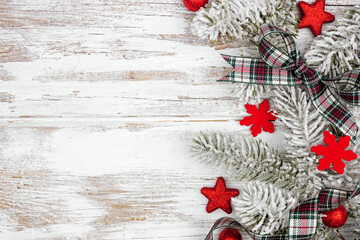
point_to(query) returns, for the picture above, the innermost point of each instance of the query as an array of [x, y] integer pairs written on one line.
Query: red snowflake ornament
[[334, 152], [314, 16], [219, 196], [260, 118]]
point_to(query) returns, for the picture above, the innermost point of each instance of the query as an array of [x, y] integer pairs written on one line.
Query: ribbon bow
[[303, 220], [286, 68]]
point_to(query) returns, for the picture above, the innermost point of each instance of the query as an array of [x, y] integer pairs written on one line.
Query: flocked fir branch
[[303, 128], [250, 93], [303, 124], [251, 159], [336, 50], [323, 232], [353, 210], [264, 208], [294, 175], [244, 158], [356, 213], [227, 19], [295, 172]]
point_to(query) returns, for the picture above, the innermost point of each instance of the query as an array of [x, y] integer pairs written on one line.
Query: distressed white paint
[[99, 100]]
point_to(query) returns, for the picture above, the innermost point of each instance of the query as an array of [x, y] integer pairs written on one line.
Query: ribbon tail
[[230, 59], [333, 110], [302, 220], [238, 64], [256, 71], [347, 86], [227, 222]]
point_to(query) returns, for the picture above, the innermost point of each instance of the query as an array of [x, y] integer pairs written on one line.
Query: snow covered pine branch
[[293, 176], [225, 20], [336, 50], [274, 183]]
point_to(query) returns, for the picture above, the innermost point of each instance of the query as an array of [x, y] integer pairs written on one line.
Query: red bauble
[[194, 5], [335, 218], [230, 234]]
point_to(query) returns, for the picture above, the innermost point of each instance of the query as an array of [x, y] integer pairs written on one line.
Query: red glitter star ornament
[[314, 16], [260, 118], [219, 196], [334, 152]]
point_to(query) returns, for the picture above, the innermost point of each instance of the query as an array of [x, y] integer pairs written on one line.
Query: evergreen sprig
[[227, 19], [245, 158], [336, 50], [273, 182], [264, 208], [304, 127], [251, 93]]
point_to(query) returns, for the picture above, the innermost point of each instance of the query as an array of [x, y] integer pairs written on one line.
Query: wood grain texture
[[99, 100]]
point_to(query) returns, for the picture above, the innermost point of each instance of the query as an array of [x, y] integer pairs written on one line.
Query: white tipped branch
[[244, 158], [264, 208], [336, 50], [227, 19]]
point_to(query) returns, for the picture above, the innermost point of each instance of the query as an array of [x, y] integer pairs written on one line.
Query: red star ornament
[[219, 196], [314, 16], [334, 152], [260, 118]]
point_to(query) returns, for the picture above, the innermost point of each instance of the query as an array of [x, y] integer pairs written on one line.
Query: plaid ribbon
[[302, 220], [278, 68]]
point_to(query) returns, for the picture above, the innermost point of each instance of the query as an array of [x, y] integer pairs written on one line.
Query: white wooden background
[[98, 102]]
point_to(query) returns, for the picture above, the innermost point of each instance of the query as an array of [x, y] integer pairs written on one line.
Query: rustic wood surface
[[99, 100]]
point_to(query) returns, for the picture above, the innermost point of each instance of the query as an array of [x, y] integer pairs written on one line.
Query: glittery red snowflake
[[334, 152], [260, 118]]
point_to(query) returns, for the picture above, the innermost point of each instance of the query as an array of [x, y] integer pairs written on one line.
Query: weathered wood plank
[[101, 70], [99, 100], [99, 181]]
